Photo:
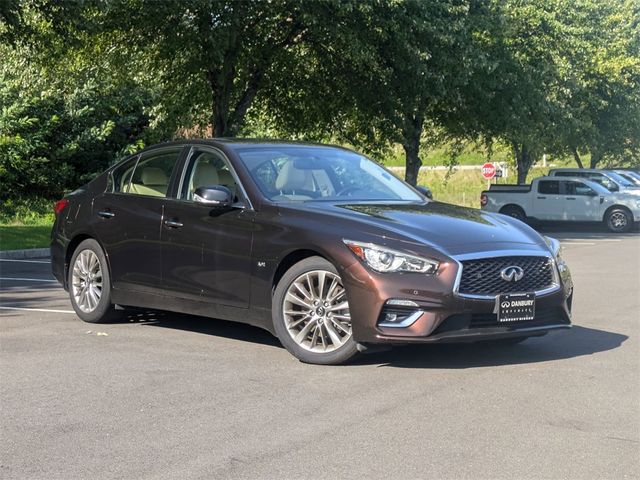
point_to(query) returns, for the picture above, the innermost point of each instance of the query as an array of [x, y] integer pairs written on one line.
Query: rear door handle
[[106, 214], [542, 198], [571, 198], [173, 224]]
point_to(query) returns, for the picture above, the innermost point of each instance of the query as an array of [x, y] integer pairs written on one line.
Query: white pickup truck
[[558, 199]]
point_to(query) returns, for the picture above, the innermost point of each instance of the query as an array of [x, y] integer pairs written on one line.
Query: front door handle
[[571, 198], [173, 224], [542, 198], [106, 214]]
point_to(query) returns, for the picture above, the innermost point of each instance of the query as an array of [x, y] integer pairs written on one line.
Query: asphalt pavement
[[167, 396]]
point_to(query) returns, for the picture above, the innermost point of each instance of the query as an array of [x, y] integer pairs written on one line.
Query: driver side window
[[578, 188], [205, 169]]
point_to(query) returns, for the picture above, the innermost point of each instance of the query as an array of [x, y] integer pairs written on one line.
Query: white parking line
[[26, 279], [24, 261], [37, 310], [577, 243]]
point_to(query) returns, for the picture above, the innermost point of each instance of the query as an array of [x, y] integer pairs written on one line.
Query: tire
[[515, 212], [90, 284], [618, 220], [318, 318]]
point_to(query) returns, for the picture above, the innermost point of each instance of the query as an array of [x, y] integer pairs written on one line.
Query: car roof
[[233, 143], [573, 169]]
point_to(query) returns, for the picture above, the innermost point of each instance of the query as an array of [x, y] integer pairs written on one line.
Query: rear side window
[[152, 173], [549, 187], [122, 175]]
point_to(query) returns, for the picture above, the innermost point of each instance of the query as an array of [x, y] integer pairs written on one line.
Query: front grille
[[482, 276]]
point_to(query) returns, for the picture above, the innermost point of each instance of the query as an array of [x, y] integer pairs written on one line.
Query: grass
[[25, 223], [463, 187], [18, 237]]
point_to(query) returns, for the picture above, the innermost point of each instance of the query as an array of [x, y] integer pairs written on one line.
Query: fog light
[[398, 313], [390, 317]]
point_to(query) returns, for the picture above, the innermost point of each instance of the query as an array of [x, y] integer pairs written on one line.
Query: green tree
[[601, 74]]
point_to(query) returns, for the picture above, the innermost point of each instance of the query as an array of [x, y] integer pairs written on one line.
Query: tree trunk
[[411, 145], [220, 86], [596, 156], [577, 158], [524, 160]]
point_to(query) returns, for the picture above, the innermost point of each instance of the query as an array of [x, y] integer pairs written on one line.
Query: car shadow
[[585, 230], [577, 342], [203, 325]]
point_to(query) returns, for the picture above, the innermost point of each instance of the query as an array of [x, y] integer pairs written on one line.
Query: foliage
[[84, 82], [56, 135]]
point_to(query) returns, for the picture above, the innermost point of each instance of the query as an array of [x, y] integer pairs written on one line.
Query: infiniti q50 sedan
[[317, 244]]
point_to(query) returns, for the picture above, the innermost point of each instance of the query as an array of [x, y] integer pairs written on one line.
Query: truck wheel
[[515, 212], [618, 220]]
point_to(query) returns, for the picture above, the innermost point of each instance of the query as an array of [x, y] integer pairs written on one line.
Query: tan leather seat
[[154, 183], [291, 179], [204, 175]]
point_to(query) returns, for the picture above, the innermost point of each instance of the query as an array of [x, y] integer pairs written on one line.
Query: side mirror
[[425, 191], [215, 196]]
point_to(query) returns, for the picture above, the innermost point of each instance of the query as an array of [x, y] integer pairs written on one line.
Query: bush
[[55, 136], [27, 211]]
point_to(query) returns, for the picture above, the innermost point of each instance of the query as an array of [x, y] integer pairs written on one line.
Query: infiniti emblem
[[512, 273]]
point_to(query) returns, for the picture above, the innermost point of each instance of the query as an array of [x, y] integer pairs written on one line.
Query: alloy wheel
[[316, 311], [87, 281], [618, 221]]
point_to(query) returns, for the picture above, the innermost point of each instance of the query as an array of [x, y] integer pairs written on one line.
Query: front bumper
[[446, 316]]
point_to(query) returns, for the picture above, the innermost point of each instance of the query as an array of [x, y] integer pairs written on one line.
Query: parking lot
[[163, 395]]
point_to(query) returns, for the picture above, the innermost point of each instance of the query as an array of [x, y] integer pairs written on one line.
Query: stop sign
[[488, 171]]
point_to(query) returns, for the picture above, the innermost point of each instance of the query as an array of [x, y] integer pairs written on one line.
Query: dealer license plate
[[516, 307]]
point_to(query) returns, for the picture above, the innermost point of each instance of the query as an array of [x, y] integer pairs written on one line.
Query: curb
[[25, 254]]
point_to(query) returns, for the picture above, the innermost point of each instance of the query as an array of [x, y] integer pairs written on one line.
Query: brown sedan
[[317, 244]]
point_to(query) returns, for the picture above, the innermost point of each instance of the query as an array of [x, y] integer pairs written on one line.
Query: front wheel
[[90, 285], [515, 212], [618, 220], [311, 313]]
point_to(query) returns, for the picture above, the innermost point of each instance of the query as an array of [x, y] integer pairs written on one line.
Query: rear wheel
[[90, 284], [618, 220], [515, 212], [311, 313]]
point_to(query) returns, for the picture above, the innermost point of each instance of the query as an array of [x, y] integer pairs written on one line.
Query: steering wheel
[[346, 190]]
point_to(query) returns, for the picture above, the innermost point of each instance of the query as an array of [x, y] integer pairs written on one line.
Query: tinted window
[[550, 187], [122, 175], [292, 173], [207, 168], [604, 181], [577, 188], [152, 173]]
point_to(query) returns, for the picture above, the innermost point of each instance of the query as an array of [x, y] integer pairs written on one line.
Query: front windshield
[[306, 173], [620, 180], [630, 177]]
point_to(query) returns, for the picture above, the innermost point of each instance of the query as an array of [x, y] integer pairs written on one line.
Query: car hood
[[454, 229]]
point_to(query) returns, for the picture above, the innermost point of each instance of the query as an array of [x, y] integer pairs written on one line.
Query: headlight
[[384, 260]]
